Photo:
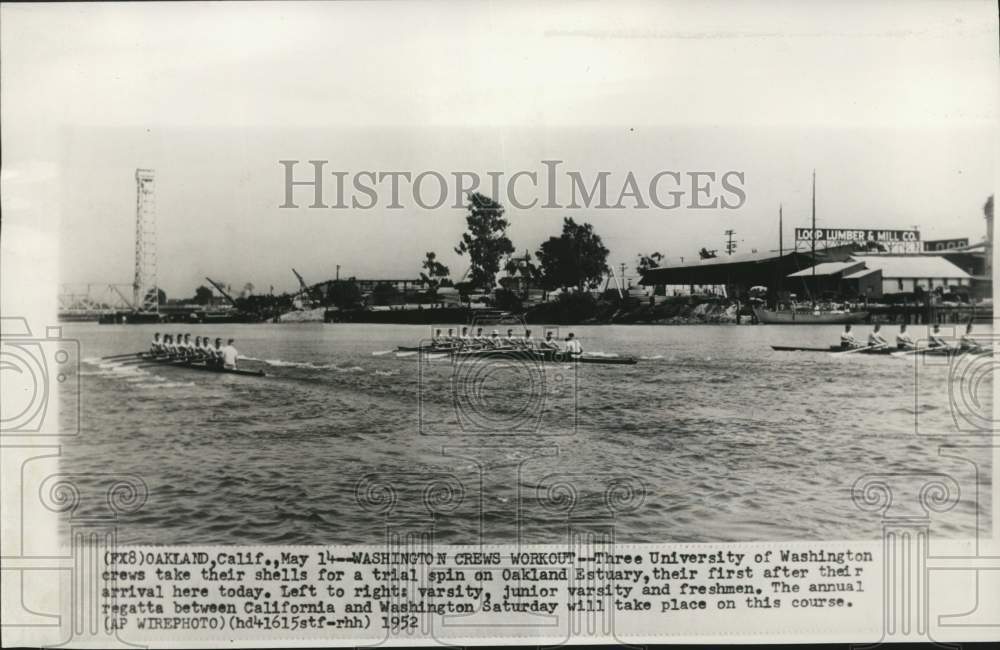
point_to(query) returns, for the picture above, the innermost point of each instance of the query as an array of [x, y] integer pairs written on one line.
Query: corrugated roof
[[826, 268], [912, 266]]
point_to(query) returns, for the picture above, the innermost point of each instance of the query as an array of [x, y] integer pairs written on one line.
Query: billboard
[[859, 235], [935, 245]]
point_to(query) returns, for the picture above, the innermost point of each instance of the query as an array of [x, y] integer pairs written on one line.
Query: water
[[711, 437]]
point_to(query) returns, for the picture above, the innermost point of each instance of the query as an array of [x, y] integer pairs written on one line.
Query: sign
[[849, 235], [945, 244]]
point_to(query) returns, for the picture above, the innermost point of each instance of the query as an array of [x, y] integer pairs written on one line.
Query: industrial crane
[[222, 291], [307, 290]]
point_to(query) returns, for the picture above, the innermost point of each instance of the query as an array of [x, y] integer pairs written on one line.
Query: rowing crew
[[183, 348], [905, 342], [479, 341]]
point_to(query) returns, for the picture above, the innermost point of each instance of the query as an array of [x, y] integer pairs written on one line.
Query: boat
[[199, 365], [934, 352], [808, 316], [833, 348], [550, 356]]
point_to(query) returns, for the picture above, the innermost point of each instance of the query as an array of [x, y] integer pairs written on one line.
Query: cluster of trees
[[575, 260]]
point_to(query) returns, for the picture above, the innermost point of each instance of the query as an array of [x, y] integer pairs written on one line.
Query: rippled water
[[711, 437]]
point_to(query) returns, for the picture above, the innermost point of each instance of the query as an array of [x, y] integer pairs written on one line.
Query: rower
[[480, 339], [464, 340], [437, 339], [550, 343], [968, 343], [217, 354], [230, 355], [451, 338], [510, 340], [527, 342], [876, 340], [573, 346], [168, 345], [204, 350], [847, 339], [903, 340], [495, 340], [155, 346], [936, 339]]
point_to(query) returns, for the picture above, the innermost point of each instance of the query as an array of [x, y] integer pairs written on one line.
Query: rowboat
[[934, 352], [831, 348], [199, 365], [551, 356]]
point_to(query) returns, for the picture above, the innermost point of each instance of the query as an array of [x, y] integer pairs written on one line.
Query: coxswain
[[549, 343], [573, 346], [968, 343], [155, 347], [936, 339], [847, 339], [876, 340], [230, 355], [903, 340]]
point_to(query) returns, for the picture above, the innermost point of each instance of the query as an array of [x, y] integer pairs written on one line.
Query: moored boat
[[808, 316]]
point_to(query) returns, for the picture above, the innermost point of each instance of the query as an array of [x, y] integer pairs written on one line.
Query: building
[[738, 273], [871, 276]]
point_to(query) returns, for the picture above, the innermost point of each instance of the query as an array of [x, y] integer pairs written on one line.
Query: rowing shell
[[198, 365], [934, 352], [831, 348], [552, 356]]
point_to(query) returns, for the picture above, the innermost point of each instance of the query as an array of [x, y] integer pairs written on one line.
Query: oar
[[851, 351], [119, 356]]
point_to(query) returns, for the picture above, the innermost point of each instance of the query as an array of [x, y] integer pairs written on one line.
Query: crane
[[306, 289], [221, 290]]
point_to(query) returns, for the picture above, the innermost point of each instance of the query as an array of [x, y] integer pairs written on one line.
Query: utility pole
[[730, 244]]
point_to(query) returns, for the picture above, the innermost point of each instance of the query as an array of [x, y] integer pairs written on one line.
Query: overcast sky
[[894, 104]]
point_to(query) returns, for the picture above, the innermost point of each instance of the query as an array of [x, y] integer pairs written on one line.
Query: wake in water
[[309, 365]]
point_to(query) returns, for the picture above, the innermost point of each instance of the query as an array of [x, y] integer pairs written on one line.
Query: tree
[[248, 289], [486, 240], [647, 262], [521, 270], [343, 294], [706, 254], [436, 273], [202, 295], [577, 258]]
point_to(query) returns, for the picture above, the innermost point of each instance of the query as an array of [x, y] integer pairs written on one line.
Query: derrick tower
[[145, 296]]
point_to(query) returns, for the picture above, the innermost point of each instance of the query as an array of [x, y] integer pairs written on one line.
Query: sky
[[894, 105]]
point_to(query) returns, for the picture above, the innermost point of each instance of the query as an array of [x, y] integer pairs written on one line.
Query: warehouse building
[[872, 276]]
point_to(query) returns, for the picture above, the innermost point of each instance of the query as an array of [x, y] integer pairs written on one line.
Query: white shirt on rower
[[229, 356], [573, 346], [875, 338], [904, 338]]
